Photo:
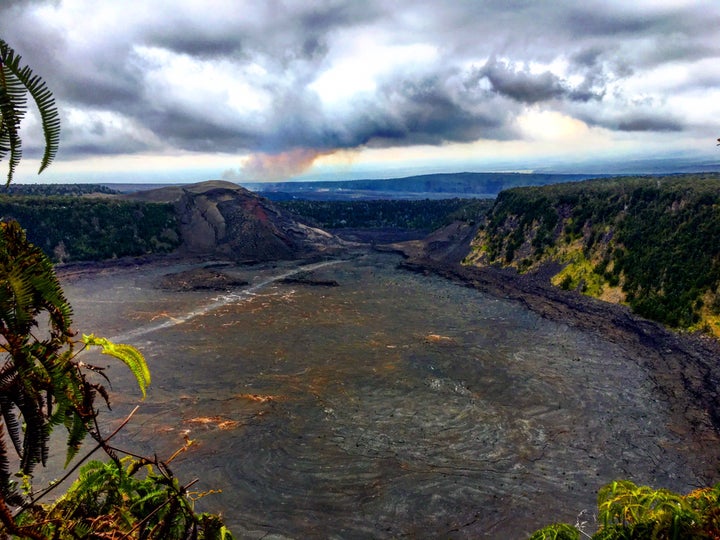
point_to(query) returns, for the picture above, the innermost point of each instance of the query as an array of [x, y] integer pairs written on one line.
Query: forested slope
[[73, 228], [650, 242], [423, 215]]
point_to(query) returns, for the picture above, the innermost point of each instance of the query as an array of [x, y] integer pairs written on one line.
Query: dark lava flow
[[393, 404]]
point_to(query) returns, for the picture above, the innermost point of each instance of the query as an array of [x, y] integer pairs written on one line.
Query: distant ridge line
[[433, 185], [436, 186], [434, 178]]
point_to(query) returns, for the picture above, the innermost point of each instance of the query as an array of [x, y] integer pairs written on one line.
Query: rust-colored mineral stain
[[437, 338], [228, 424], [204, 420], [256, 210], [258, 398], [214, 421]]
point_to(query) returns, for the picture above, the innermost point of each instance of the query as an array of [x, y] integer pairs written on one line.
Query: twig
[[47, 490]]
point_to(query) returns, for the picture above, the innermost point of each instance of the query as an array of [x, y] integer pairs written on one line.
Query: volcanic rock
[[223, 219], [200, 279]]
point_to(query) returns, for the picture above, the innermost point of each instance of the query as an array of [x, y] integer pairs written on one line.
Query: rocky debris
[[200, 279], [449, 244], [306, 279]]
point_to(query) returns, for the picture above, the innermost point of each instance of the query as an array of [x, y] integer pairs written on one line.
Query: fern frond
[[4, 464], [10, 116], [77, 432], [100, 389], [13, 106], [35, 372], [19, 79], [36, 438], [8, 487], [28, 285], [127, 354], [11, 422], [18, 298]]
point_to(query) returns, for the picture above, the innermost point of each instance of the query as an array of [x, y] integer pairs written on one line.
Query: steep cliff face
[[222, 218], [651, 243]]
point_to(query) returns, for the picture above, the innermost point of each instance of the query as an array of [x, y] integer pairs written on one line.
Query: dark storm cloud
[[636, 121], [590, 19], [676, 34], [492, 60], [681, 48], [280, 31], [321, 17], [102, 75], [586, 20], [117, 147], [191, 132], [401, 113], [589, 57], [426, 112], [95, 137], [9, 5], [119, 89], [526, 87], [649, 123], [521, 86], [197, 44]]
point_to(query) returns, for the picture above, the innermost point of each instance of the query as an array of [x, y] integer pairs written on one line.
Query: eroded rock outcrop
[[223, 219], [449, 244]]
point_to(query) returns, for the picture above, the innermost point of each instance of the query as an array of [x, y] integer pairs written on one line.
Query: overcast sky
[[188, 90]]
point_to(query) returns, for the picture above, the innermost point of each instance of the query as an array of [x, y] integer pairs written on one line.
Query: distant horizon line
[[704, 168]]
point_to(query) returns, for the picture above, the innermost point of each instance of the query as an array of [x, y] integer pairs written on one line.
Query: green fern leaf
[[12, 424], [5, 479], [127, 354], [16, 82], [10, 142], [77, 430], [28, 285]]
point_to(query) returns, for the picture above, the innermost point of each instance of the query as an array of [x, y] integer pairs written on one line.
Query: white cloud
[[361, 61], [222, 87]]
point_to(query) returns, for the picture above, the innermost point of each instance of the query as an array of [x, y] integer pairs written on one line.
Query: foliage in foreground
[[129, 498], [630, 512], [16, 82], [43, 385]]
